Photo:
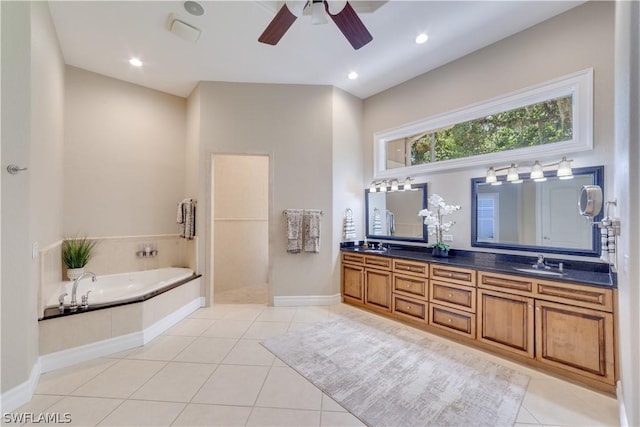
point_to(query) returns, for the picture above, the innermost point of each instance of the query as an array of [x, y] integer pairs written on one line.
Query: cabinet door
[[377, 285], [506, 321], [353, 283], [576, 339]]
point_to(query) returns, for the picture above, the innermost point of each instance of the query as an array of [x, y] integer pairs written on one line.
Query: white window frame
[[579, 85]]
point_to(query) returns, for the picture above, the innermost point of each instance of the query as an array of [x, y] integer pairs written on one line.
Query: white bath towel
[[186, 217], [294, 230], [311, 223]]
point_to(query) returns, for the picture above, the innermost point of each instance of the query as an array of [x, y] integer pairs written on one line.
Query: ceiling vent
[[184, 30]]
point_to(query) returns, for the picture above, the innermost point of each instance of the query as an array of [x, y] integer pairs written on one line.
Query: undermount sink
[[539, 272], [371, 251]]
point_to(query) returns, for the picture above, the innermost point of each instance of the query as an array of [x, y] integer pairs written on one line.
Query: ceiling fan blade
[[351, 26], [278, 26]]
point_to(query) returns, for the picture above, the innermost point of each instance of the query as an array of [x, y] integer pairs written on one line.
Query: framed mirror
[[536, 216], [393, 215]]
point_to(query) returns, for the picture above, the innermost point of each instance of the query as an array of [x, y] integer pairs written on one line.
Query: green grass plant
[[77, 251]]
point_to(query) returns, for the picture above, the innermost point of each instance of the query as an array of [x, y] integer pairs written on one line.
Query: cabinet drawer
[[461, 276], [504, 282], [407, 307], [415, 287], [411, 267], [583, 296], [352, 258], [378, 262], [454, 296], [453, 320]]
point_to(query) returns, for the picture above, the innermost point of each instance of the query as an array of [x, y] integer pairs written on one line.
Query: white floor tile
[[249, 352], [206, 350], [83, 411], [285, 388], [176, 382], [265, 330], [121, 379], [556, 402], [64, 381], [164, 347], [227, 328], [277, 314], [212, 312], [143, 413], [213, 415], [190, 327], [311, 314], [233, 385], [268, 417], [339, 419], [245, 313], [38, 404], [328, 404]]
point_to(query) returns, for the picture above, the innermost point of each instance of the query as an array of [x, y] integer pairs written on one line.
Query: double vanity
[[560, 320]]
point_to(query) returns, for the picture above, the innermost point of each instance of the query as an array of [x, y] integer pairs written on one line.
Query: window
[[554, 117]]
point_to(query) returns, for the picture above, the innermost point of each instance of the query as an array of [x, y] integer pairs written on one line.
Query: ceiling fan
[[340, 12]]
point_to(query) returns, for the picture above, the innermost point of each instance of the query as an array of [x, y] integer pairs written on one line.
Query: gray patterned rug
[[387, 374]]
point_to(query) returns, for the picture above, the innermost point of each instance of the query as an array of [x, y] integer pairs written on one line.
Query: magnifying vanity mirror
[[539, 216], [590, 201], [393, 215]]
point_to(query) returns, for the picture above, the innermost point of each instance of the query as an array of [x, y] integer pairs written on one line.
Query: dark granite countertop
[[583, 272]]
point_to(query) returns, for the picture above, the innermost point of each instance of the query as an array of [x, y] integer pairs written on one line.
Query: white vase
[[74, 273]]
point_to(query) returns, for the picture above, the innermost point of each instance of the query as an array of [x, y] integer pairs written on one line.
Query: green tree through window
[[536, 124]]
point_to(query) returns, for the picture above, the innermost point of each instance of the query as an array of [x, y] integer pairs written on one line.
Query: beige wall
[[32, 120], [578, 39], [240, 221], [293, 125], [124, 157]]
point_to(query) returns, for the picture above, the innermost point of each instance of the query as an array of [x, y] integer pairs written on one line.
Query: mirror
[[536, 216], [394, 215]]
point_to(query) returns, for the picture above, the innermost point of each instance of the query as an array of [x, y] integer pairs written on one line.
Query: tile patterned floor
[[210, 370]]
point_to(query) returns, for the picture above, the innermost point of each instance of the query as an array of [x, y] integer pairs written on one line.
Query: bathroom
[[110, 158]]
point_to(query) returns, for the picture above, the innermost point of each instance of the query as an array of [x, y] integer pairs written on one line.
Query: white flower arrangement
[[434, 219]]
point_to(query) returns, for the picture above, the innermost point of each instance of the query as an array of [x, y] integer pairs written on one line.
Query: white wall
[[578, 39], [32, 123], [124, 157], [627, 193]]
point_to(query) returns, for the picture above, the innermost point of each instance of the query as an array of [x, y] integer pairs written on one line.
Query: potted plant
[[434, 219], [76, 253]]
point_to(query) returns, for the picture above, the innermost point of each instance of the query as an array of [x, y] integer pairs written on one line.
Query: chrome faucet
[[73, 306], [540, 263]]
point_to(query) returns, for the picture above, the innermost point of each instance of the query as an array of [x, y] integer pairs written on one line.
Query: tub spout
[[73, 306]]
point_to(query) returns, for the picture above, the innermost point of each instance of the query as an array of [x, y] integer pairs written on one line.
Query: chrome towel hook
[[14, 169]]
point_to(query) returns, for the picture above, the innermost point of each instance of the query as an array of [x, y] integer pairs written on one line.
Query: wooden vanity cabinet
[[410, 290], [352, 274], [452, 300], [564, 328]]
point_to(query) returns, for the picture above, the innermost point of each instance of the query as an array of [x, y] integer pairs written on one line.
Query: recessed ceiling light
[[194, 8], [135, 62], [422, 38], [352, 75]]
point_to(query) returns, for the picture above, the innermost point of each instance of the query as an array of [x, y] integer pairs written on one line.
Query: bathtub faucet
[[73, 306]]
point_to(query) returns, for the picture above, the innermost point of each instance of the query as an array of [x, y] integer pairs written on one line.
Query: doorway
[[240, 224]]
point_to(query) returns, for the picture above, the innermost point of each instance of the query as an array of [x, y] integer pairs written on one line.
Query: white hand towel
[[294, 230], [312, 230]]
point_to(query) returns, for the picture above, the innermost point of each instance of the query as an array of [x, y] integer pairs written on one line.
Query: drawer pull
[[450, 295], [408, 307], [449, 320]]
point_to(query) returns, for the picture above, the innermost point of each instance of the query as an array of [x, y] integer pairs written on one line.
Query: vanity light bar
[[563, 171], [389, 186]]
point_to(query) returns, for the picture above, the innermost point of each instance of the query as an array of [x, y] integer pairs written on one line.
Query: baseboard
[[21, 394], [308, 300], [622, 410], [165, 323]]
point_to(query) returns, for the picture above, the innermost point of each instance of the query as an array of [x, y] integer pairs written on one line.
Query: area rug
[[387, 374]]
